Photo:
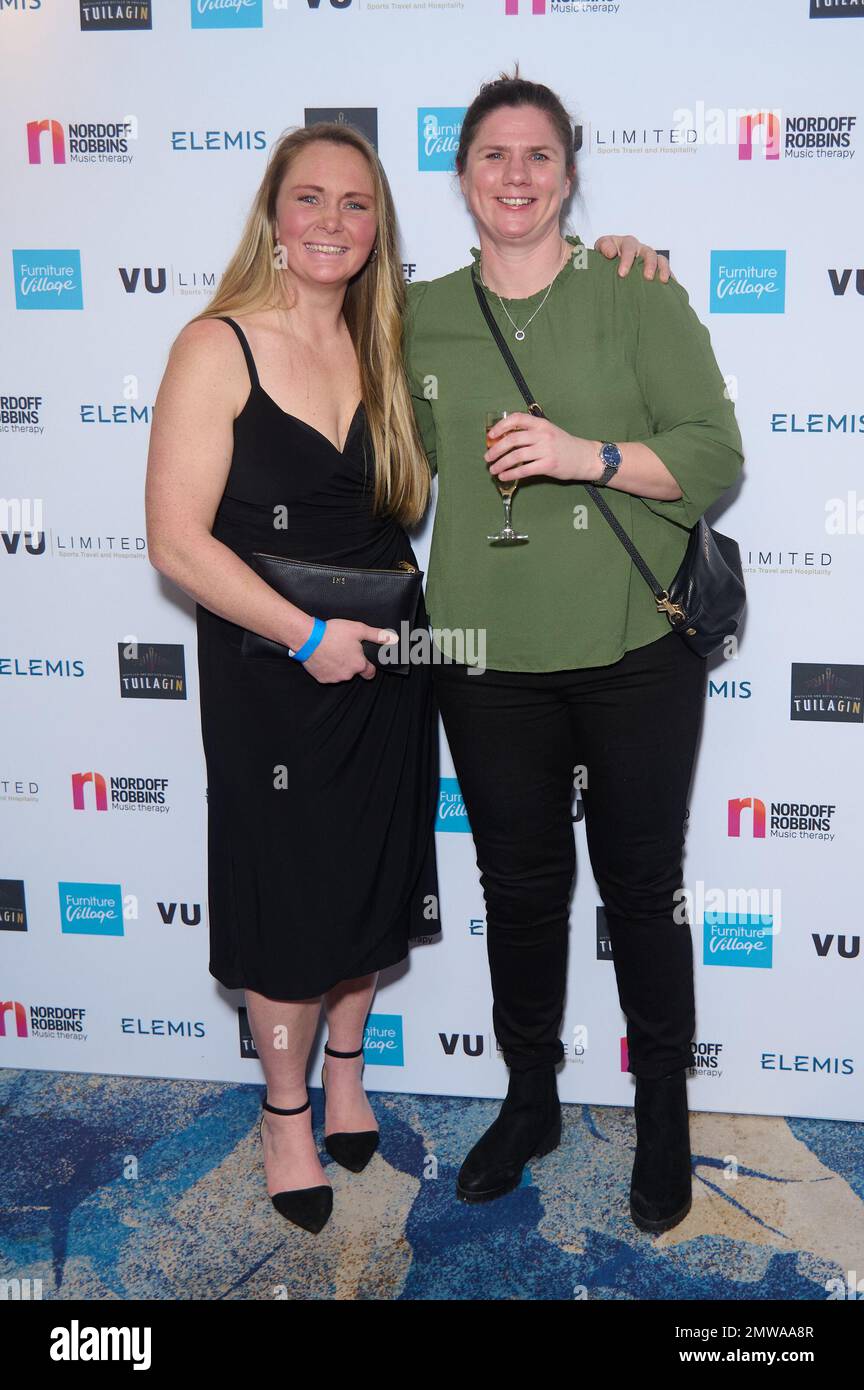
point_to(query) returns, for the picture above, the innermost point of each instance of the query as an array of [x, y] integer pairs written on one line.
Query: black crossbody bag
[[706, 599]]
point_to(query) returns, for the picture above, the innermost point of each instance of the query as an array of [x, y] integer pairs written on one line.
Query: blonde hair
[[373, 311]]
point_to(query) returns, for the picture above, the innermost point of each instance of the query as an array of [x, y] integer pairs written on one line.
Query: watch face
[[611, 455]]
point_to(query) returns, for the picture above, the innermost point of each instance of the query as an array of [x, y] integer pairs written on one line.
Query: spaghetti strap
[[247, 351]]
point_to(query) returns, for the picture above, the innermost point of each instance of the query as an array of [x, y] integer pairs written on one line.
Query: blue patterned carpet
[[122, 1188]]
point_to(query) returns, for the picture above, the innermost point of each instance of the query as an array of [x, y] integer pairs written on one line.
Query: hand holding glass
[[506, 536]]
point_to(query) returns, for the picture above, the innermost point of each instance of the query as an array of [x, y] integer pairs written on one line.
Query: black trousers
[[515, 739]]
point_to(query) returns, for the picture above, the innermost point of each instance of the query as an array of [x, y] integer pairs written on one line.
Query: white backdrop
[[104, 910]]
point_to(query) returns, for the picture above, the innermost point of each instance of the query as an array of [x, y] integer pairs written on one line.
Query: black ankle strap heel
[[307, 1207], [274, 1109], [353, 1149]]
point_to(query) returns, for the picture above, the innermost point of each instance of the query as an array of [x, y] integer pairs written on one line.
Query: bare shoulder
[[206, 357], [208, 343]]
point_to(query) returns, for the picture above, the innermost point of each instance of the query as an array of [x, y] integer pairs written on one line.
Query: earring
[[373, 253]]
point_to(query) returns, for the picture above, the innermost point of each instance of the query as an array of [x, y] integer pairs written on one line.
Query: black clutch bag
[[382, 598], [706, 599]]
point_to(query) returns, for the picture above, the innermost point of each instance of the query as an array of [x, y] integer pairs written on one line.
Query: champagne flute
[[506, 536]]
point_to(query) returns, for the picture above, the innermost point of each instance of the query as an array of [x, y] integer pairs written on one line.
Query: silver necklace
[[519, 333]]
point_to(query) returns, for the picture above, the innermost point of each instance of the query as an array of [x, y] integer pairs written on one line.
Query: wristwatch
[[611, 456]]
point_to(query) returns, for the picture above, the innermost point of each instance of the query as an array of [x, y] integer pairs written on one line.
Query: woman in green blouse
[[577, 668]]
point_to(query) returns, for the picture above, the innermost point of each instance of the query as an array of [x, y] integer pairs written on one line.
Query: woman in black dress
[[284, 425]]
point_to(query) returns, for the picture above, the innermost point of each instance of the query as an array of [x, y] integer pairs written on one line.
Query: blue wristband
[[303, 653]]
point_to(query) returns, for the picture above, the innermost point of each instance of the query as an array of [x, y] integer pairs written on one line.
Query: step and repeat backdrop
[[133, 137]]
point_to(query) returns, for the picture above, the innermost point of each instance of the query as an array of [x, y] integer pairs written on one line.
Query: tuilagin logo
[[91, 909], [438, 131], [748, 282], [13, 906], [80, 142], [114, 14], [47, 279], [604, 940], [828, 694], [248, 1050], [836, 9], [227, 14], [152, 671], [451, 808], [362, 118]]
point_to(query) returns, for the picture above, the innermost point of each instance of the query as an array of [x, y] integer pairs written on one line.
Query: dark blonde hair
[[373, 310]]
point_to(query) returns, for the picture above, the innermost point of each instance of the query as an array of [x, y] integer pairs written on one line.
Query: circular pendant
[[519, 335]]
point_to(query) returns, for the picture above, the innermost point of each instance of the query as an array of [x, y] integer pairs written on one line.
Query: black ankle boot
[[528, 1125], [660, 1189]]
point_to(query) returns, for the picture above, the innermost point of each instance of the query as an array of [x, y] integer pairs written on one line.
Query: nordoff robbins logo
[[77, 1343]]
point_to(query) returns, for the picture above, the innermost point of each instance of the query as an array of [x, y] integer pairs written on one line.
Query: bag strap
[[533, 407], [661, 596]]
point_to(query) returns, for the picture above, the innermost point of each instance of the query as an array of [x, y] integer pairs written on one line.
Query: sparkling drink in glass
[[506, 536]]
